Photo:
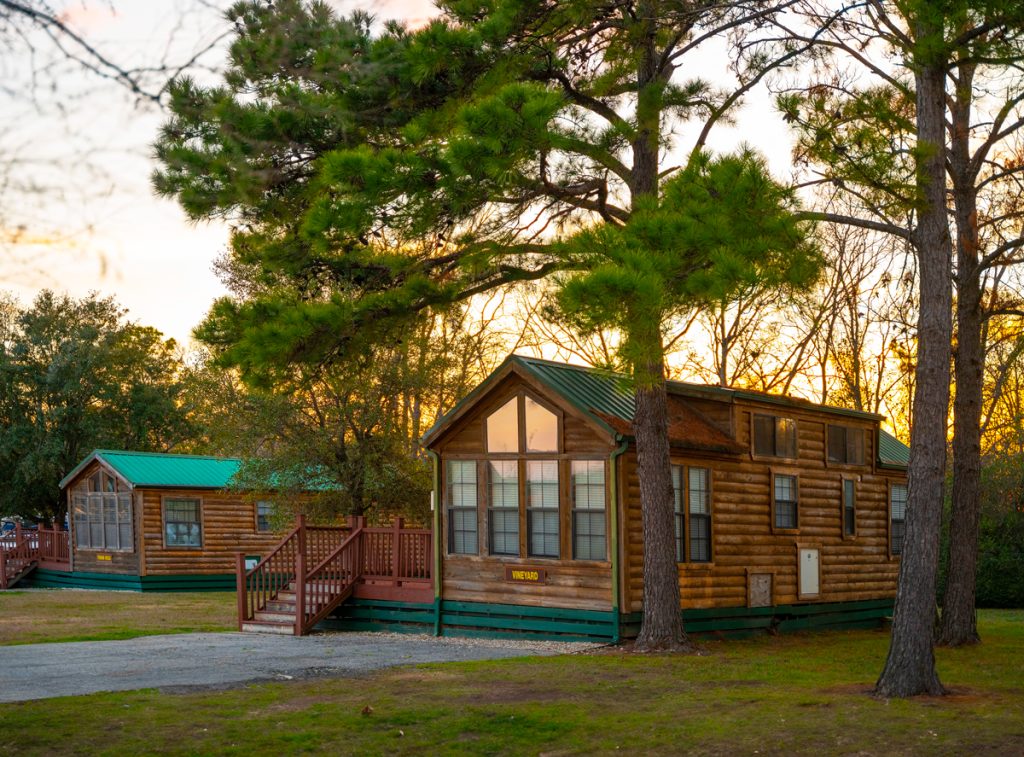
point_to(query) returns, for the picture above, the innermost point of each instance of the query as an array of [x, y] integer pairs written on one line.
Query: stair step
[[275, 617], [255, 626]]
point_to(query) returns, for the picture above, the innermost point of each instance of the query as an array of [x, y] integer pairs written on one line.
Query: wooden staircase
[[281, 595]]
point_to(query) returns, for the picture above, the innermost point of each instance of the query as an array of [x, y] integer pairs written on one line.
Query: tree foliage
[[76, 376]]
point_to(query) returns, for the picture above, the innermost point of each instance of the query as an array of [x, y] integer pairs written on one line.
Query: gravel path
[[41, 671]]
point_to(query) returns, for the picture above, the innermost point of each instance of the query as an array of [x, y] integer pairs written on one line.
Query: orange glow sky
[[110, 234]]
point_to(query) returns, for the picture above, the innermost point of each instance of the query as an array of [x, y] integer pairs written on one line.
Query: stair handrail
[[327, 584], [248, 604]]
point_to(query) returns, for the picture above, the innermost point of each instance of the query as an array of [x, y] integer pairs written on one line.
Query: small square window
[[182, 526], [775, 436], [846, 445]]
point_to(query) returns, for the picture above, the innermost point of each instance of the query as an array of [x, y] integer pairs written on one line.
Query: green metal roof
[[610, 393], [892, 453], [595, 392], [164, 470]]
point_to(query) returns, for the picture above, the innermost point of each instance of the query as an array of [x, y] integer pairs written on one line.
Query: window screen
[[588, 515], [699, 494], [785, 501], [182, 527], [503, 522], [542, 508], [461, 496], [898, 524]]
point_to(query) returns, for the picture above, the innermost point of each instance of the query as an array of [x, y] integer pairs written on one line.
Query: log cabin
[[147, 521], [788, 514]]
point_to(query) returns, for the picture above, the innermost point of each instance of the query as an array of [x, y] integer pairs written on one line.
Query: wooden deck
[[28, 549], [315, 568]]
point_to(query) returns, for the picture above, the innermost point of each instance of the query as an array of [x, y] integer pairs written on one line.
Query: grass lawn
[[803, 694], [30, 617]]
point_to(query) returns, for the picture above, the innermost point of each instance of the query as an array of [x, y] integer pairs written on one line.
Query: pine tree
[[383, 174]]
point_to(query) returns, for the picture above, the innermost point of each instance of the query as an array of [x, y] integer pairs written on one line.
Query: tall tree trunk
[[662, 626], [910, 666], [958, 624]]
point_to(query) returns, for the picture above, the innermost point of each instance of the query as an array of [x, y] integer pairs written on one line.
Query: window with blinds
[[461, 501], [785, 502], [503, 510], [691, 493], [542, 508], [699, 495], [846, 445], [897, 517], [589, 537]]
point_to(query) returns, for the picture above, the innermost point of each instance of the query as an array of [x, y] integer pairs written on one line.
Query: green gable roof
[[892, 453], [164, 470]]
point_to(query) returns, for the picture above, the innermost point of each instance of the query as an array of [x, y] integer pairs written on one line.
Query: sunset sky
[[85, 217]]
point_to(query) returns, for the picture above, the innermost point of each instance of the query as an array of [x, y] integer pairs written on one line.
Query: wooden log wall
[[743, 541], [481, 578], [90, 560], [228, 526]]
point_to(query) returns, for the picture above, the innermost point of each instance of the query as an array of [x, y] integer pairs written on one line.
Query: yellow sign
[[526, 575], [103, 558]]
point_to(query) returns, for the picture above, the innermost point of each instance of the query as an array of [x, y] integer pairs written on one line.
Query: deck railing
[[24, 548], [325, 565]]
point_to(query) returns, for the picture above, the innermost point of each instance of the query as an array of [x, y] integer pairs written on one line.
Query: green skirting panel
[[496, 621], [521, 621], [57, 579], [744, 621], [381, 615]]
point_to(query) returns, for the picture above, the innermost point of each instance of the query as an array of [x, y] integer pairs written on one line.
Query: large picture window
[[182, 522], [542, 508], [774, 436], [503, 493], [102, 513], [588, 511], [897, 517], [461, 499]]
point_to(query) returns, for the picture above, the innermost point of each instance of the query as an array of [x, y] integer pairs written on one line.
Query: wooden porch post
[[240, 587], [300, 578], [395, 551], [3, 568]]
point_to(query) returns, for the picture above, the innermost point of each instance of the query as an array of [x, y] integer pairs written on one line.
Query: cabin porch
[[25, 550], [314, 569]]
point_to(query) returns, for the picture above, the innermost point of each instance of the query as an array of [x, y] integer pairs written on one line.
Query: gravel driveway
[[41, 671]]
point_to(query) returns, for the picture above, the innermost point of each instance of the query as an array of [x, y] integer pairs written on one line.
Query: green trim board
[[57, 579]]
